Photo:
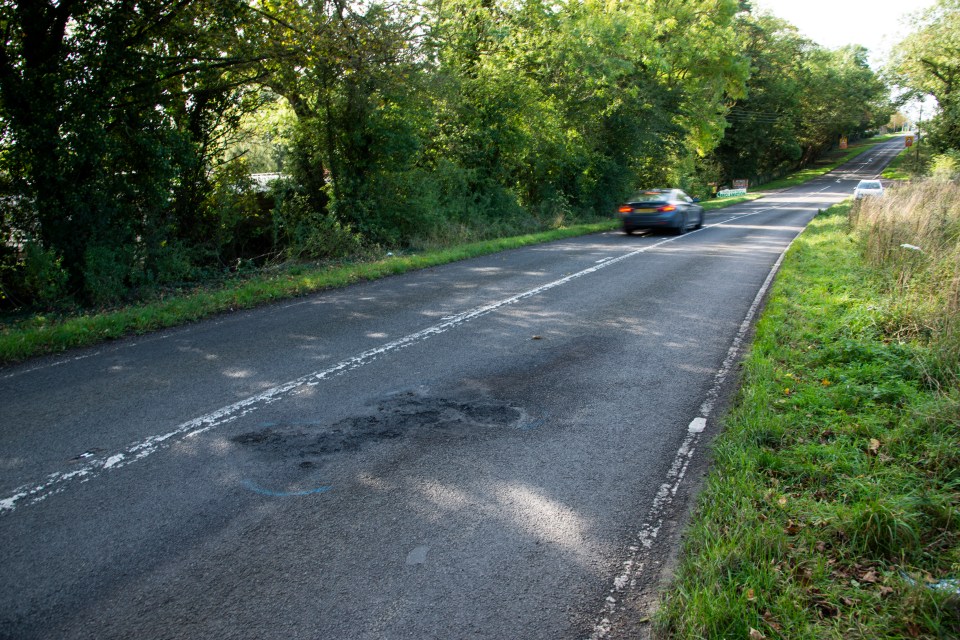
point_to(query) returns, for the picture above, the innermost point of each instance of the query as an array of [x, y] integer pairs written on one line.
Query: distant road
[[498, 448]]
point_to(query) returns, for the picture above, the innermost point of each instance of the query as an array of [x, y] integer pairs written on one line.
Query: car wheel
[[627, 231], [700, 221], [682, 227]]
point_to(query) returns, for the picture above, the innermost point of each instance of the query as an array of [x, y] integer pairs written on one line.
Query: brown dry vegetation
[[911, 239]]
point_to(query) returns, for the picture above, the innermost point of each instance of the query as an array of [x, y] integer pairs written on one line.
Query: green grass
[[833, 497], [41, 334], [720, 203], [905, 165]]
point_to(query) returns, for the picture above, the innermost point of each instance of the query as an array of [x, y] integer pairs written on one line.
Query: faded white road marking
[[58, 481], [638, 553]]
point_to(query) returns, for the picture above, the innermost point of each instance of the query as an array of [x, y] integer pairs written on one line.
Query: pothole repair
[[402, 415]]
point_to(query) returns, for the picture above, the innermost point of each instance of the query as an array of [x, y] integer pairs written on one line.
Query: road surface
[[504, 447]]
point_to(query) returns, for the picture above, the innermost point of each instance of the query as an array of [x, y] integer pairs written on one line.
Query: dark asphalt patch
[[400, 416]]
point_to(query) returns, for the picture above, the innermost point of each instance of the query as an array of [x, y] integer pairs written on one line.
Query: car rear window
[[650, 196], [869, 184]]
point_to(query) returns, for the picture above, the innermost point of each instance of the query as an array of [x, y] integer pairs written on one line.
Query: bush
[[43, 279], [945, 166], [106, 274], [304, 232], [239, 216]]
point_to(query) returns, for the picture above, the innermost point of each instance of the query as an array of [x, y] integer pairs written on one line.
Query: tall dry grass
[[911, 240]]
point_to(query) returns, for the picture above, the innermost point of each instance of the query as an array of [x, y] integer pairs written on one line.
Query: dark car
[[661, 209]]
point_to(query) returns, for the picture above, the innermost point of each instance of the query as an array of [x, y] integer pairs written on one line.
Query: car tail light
[[625, 209], [667, 207]]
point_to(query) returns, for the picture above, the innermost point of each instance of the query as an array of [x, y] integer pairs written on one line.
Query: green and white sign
[[729, 193]]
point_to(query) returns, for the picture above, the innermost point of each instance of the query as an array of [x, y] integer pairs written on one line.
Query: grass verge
[[906, 166], [48, 333], [41, 334], [831, 510]]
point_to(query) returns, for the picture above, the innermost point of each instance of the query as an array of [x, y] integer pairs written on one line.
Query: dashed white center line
[[94, 466]]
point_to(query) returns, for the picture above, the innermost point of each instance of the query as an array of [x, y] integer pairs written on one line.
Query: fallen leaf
[[782, 501], [751, 596], [768, 618], [874, 445], [536, 338], [756, 635], [870, 577], [827, 609], [792, 528]]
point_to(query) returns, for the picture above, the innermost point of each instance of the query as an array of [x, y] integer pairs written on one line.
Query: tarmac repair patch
[[408, 414]]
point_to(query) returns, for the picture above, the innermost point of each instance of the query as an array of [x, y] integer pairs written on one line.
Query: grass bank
[[909, 163], [41, 334], [832, 509]]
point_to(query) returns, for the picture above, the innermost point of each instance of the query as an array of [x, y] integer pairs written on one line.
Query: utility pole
[[919, 122]]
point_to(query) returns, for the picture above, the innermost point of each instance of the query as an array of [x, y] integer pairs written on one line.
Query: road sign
[[727, 193], [908, 141], [843, 142], [741, 184]]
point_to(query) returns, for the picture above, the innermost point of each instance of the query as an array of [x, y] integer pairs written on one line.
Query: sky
[[875, 24]]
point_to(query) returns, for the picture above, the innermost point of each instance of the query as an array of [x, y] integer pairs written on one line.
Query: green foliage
[[127, 132], [110, 114], [43, 278], [945, 166], [106, 274], [927, 62], [800, 100], [310, 234]]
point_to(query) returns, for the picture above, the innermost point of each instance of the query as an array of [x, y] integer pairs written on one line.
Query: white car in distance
[[868, 188]]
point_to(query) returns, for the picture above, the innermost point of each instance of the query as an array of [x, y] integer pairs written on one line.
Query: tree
[[111, 110], [928, 61], [800, 99]]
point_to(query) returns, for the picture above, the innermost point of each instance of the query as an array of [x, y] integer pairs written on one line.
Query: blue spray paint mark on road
[[252, 486], [536, 423], [532, 425]]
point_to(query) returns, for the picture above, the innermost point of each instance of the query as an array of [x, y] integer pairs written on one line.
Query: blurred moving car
[[868, 188], [661, 209]]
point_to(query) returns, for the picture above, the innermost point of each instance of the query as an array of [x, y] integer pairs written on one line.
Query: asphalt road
[[498, 448]]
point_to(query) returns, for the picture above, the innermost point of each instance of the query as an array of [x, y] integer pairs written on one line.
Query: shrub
[[44, 281], [106, 274], [304, 232], [945, 166]]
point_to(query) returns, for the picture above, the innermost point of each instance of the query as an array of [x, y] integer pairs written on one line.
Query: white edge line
[[636, 559]]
